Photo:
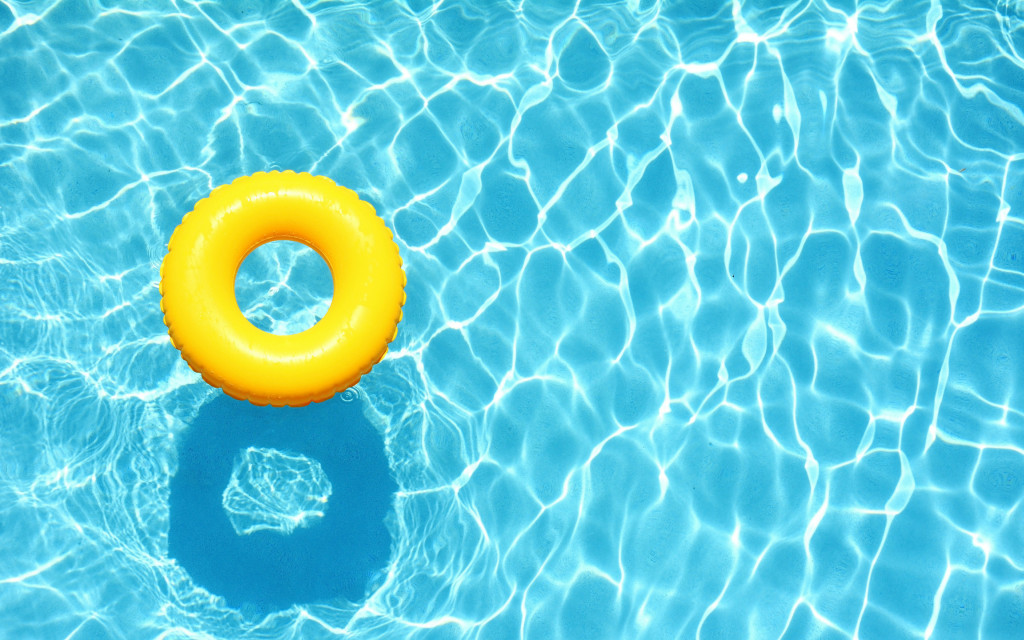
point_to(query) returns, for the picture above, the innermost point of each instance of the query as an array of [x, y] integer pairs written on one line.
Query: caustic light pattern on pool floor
[[274, 491], [713, 324]]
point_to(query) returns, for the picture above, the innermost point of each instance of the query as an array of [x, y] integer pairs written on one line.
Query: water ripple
[[713, 312]]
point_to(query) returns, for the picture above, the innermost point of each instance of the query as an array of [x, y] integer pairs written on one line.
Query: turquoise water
[[713, 327]]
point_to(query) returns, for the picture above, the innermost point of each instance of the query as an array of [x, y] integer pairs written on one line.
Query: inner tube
[[197, 288]]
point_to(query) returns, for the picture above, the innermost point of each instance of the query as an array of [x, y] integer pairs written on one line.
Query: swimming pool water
[[713, 324]]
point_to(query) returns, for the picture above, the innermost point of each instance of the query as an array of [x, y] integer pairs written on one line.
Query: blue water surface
[[713, 325]]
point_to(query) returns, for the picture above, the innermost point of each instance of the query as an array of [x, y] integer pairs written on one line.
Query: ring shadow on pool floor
[[267, 571]]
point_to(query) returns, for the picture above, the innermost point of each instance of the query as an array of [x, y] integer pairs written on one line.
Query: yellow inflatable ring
[[197, 288]]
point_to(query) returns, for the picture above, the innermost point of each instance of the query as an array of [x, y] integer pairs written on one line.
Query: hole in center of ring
[[284, 287]]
